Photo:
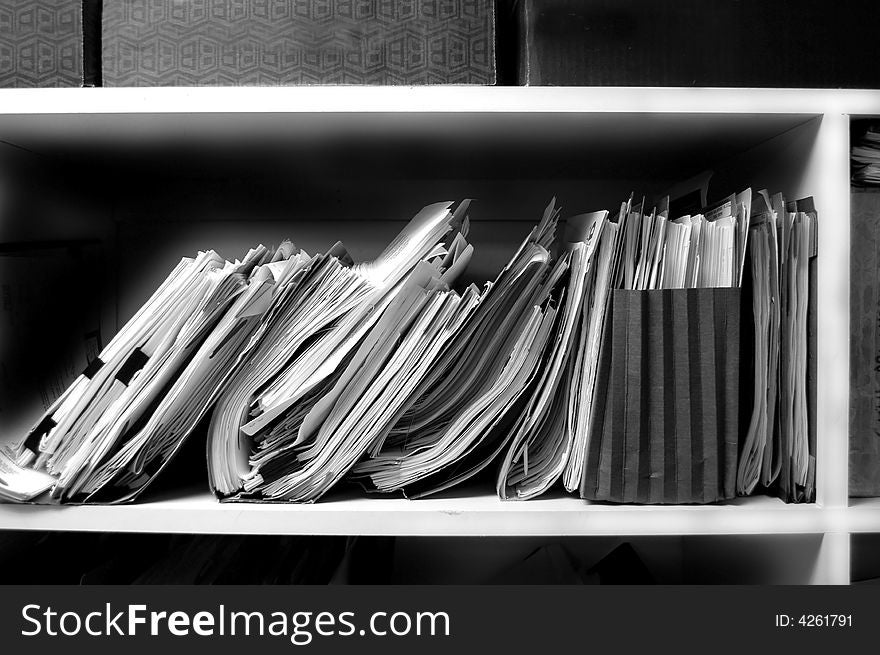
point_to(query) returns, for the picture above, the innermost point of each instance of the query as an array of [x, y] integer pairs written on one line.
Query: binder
[[667, 431]]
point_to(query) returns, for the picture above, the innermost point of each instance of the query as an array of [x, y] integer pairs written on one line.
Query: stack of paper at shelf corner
[[866, 158], [96, 418], [117, 426], [20, 483]]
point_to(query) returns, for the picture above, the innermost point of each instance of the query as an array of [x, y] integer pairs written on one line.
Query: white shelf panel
[[864, 514], [437, 99], [482, 515]]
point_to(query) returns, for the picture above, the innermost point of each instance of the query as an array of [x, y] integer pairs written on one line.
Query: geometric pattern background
[[40, 43], [289, 42]]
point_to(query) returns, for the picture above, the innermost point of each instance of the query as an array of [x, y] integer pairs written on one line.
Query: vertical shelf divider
[[833, 560], [828, 180]]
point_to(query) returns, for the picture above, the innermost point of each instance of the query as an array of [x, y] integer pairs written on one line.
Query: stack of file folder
[[606, 358], [865, 157], [662, 425], [779, 449]]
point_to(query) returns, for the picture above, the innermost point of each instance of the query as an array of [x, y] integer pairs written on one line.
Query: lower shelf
[[472, 516]]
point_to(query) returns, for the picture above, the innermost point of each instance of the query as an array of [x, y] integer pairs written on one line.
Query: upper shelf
[[359, 99], [454, 132], [479, 515]]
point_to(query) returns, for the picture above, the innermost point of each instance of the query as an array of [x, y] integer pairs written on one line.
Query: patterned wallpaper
[[282, 42], [40, 43]]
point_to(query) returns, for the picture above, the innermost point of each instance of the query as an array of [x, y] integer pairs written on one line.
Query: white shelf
[[354, 99], [480, 515], [864, 515]]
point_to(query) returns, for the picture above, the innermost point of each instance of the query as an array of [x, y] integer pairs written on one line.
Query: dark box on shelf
[[666, 429], [40, 43], [864, 411], [290, 42], [728, 43]]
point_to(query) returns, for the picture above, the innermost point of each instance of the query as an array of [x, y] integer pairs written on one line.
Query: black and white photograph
[[531, 305]]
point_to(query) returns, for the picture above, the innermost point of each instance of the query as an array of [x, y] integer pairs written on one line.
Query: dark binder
[[671, 360], [675, 43], [864, 413]]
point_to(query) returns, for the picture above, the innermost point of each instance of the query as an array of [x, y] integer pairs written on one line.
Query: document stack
[[780, 444], [117, 425], [662, 426], [604, 358], [314, 388], [866, 158], [463, 413]]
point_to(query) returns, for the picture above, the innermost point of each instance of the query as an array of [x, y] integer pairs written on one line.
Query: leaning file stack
[[605, 357]]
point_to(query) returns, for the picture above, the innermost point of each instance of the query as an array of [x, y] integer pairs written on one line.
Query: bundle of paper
[[760, 458], [797, 406], [654, 418], [584, 374], [546, 428], [190, 396], [335, 325], [119, 390], [307, 304], [865, 158], [613, 366], [355, 412], [780, 446], [687, 252], [458, 419], [20, 483]]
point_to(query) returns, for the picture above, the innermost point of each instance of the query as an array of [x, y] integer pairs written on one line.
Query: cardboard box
[[289, 42], [40, 43]]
